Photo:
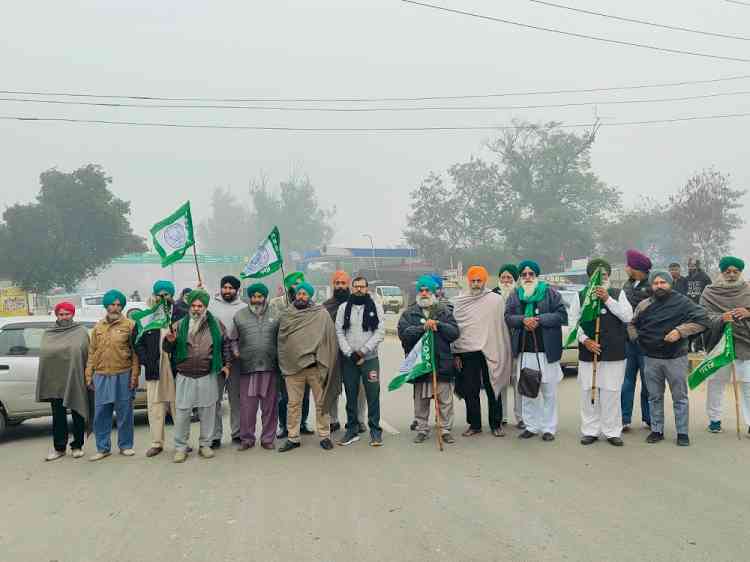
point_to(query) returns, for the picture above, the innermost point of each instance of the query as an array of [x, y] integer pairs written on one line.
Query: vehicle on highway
[[389, 296], [20, 339]]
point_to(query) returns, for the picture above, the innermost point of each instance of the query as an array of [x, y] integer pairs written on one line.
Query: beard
[[113, 316], [506, 289], [299, 304], [341, 295], [67, 323], [426, 302], [529, 287], [228, 297], [195, 321], [661, 294], [476, 291], [257, 309]]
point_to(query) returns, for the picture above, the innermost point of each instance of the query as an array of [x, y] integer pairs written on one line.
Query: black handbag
[[530, 380]]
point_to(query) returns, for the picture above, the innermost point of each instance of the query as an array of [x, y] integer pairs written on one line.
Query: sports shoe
[[448, 438], [99, 456], [77, 453], [588, 440], [127, 452], [206, 452], [654, 437], [349, 438], [180, 456], [54, 455], [683, 440], [714, 427], [526, 434], [421, 437], [326, 444], [376, 438]]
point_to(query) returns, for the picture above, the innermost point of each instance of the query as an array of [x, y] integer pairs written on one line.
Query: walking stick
[[596, 360], [736, 400], [437, 408]]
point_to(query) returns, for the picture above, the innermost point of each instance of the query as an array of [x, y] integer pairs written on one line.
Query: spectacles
[[359, 286]]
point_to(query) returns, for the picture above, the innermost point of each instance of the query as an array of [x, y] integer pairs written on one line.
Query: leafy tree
[[704, 216], [228, 231], [75, 227]]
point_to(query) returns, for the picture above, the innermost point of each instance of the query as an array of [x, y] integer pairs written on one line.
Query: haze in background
[[291, 49]]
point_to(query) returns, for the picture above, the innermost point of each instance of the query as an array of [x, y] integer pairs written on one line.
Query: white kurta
[[540, 413], [717, 385]]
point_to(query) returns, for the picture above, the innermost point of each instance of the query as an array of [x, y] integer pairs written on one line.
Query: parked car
[[20, 339], [389, 296], [91, 306], [569, 358]]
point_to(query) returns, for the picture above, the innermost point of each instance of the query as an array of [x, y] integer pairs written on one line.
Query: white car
[[92, 307], [573, 305], [20, 339]]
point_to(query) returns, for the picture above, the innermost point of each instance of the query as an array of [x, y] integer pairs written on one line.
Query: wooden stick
[[197, 269], [283, 277], [596, 360], [438, 429], [736, 399]]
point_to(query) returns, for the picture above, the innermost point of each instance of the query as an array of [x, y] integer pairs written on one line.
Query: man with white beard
[[507, 279], [428, 314], [202, 353], [483, 355], [604, 416], [535, 313]]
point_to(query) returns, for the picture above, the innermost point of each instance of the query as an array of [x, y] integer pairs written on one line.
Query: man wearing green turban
[[112, 372], [727, 299], [202, 353], [160, 389]]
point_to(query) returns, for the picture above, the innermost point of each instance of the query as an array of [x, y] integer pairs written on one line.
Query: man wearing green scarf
[[535, 313], [202, 352]]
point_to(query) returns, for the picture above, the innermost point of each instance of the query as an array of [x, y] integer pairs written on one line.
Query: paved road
[[483, 499]]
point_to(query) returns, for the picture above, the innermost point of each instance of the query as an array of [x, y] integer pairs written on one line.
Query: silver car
[[20, 338]]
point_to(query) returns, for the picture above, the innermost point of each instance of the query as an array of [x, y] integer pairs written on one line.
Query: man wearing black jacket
[[160, 389], [428, 314], [661, 325]]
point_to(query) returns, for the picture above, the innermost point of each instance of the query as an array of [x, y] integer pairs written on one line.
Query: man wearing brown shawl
[[63, 354], [728, 299], [307, 355]]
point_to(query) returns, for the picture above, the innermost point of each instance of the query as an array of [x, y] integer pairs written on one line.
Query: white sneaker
[[128, 452], [77, 453], [99, 456], [54, 455]]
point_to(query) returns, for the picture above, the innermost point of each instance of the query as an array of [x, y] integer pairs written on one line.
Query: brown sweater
[[200, 349], [111, 351]]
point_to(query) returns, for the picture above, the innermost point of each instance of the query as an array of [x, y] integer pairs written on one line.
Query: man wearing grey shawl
[[60, 381]]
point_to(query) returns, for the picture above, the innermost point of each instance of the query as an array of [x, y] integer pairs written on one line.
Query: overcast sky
[[352, 48]]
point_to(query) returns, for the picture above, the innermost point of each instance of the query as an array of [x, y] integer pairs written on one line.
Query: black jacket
[[655, 318], [552, 317], [696, 282], [149, 353], [411, 329]]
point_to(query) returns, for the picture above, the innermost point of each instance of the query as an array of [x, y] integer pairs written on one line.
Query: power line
[[382, 99], [457, 128], [110, 105], [643, 22], [738, 2], [573, 34]]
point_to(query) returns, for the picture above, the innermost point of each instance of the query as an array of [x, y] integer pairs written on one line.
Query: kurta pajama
[[540, 413], [717, 385], [112, 393], [258, 390], [202, 394]]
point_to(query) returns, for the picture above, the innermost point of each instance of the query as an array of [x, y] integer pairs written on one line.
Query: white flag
[[267, 258]]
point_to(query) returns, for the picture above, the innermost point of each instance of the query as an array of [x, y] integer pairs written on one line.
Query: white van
[[390, 297]]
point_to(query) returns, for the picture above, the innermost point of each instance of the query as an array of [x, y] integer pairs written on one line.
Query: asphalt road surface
[[484, 498]]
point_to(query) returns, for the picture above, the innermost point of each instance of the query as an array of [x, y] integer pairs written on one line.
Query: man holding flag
[[661, 327], [602, 333], [428, 315], [729, 298], [151, 326]]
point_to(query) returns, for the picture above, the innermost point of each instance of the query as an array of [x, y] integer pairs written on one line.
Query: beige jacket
[[111, 350]]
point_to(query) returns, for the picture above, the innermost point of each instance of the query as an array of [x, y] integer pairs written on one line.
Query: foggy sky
[[355, 48]]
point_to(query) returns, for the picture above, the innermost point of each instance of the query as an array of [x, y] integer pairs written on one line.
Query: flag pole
[[283, 277], [197, 269], [736, 400], [596, 360], [438, 430]]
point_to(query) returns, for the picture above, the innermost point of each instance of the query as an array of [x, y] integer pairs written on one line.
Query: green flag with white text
[[173, 235], [720, 356], [419, 362], [267, 258], [154, 318], [590, 308]]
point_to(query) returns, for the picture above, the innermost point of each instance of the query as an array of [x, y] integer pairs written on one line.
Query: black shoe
[[588, 439], [288, 446], [548, 437], [216, 444], [362, 428], [413, 426], [326, 444], [616, 441], [521, 425], [236, 440], [335, 427], [350, 437], [304, 430], [683, 440], [654, 437], [282, 433], [527, 435]]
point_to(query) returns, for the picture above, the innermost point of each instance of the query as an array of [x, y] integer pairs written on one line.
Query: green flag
[[590, 308], [720, 356], [267, 258], [173, 235], [156, 317], [418, 362]]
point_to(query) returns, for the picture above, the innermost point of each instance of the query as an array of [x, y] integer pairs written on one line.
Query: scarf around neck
[[370, 320], [181, 352], [534, 298]]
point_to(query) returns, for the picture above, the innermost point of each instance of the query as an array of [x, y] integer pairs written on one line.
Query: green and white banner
[[720, 356], [267, 258], [154, 318], [419, 362], [173, 235]]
